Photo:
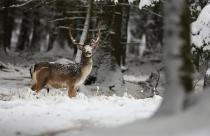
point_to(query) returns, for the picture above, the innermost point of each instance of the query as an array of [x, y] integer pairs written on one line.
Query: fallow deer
[[69, 76]]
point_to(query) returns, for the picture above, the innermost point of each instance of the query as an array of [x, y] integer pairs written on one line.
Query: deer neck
[[86, 65]]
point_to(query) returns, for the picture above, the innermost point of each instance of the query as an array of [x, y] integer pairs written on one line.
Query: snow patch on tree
[[130, 78], [208, 72], [144, 3], [201, 29]]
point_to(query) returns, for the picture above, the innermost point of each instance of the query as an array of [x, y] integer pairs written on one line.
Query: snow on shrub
[[201, 30], [147, 3], [201, 37]]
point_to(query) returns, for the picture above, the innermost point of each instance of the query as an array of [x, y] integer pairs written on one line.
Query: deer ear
[[80, 46]]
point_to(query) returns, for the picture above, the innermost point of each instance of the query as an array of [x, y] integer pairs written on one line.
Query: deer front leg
[[37, 87], [33, 87], [72, 92], [40, 85]]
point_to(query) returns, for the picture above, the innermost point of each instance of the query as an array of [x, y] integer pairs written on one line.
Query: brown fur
[[49, 75]]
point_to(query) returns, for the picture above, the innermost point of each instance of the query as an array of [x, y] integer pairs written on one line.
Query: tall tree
[[154, 31], [116, 34], [85, 30], [40, 32], [124, 29], [119, 35], [177, 57], [8, 21], [25, 31], [2, 51]]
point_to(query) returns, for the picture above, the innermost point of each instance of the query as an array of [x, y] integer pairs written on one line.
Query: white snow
[[144, 3], [63, 61], [201, 29], [29, 114], [208, 72], [132, 78]]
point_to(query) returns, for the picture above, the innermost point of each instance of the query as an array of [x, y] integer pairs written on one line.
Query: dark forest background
[[131, 38], [152, 42]]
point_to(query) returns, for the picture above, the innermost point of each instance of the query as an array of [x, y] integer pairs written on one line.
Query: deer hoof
[[71, 95]]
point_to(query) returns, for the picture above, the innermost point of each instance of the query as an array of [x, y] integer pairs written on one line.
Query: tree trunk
[[78, 24], [107, 72], [25, 31], [206, 83], [8, 21], [137, 29], [119, 35], [2, 51], [151, 37], [154, 31], [187, 67], [52, 36], [51, 27], [176, 56], [40, 32], [116, 34], [124, 31], [85, 30]]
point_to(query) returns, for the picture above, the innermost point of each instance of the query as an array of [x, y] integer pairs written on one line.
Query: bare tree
[[119, 34], [85, 30], [25, 31], [8, 21], [116, 34], [124, 29]]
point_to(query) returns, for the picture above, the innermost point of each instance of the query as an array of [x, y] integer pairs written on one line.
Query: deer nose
[[88, 53]]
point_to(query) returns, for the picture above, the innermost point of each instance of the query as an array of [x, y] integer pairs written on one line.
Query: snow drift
[[26, 113]]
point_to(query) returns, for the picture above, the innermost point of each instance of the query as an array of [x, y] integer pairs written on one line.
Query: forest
[[104, 67]]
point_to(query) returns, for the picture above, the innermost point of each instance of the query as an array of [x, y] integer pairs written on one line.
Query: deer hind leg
[[72, 92], [41, 79]]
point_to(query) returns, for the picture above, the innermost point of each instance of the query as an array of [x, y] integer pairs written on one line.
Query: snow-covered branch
[[23, 3], [144, 3], [201, 29]]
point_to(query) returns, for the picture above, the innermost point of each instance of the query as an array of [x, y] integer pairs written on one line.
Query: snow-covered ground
[[27, 113], [22, 112]]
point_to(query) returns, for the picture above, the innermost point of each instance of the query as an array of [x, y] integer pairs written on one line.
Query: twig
[[40, 4], [82, 12], [144, 9], [196, 82], [79, 29], [19, 5], [2, 66], [70, 18]]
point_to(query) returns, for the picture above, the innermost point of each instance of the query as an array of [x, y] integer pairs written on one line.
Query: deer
[[70, 76]]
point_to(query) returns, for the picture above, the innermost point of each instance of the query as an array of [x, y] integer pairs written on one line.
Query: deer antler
[[79, 46], [94, 43]]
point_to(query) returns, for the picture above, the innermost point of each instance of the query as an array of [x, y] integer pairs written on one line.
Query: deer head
[[87, 48]]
